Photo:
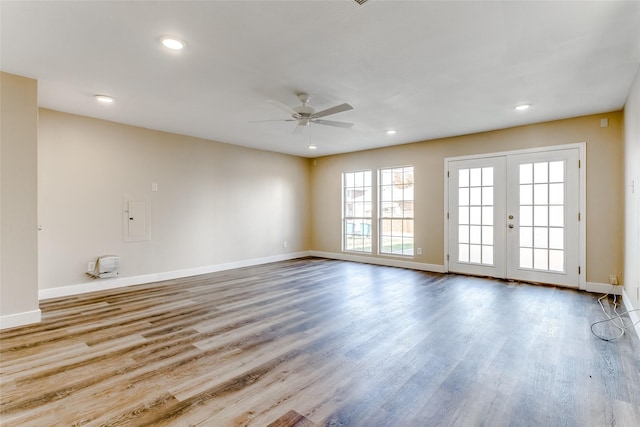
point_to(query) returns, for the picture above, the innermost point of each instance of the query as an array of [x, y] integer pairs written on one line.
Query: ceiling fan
[[306, 115]]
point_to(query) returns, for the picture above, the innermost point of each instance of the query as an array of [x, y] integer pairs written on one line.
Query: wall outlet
[[91, 266], [419, 251], [284, 244], [613, 279]]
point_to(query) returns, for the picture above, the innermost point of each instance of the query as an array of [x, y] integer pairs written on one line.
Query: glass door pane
[[475, 222], [541, 220]]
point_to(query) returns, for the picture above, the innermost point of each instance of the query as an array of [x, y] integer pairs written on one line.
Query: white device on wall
[[106, 266], [136, 219]]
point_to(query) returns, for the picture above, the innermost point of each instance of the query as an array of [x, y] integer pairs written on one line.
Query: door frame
[[582, 202]]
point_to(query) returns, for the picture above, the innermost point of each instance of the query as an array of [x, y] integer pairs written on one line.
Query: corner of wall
[[633, 313], [631, 190], [18, 201]]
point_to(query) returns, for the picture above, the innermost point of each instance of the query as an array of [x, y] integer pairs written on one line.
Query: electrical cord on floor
[[617, 320]]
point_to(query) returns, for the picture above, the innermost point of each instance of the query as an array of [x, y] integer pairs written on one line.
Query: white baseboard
[[20, 319], [603, 288], [633, 315], [119, 282], [380, 261]]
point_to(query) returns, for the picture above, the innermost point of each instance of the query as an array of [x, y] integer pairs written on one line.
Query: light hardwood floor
[[342, 344]]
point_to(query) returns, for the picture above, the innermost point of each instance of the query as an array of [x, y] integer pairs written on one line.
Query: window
[[396, 211], [356, 189]]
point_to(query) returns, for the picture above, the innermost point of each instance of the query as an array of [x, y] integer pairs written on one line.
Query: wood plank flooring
[[313, 342]]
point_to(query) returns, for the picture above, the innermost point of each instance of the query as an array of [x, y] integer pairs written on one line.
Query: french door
[[516, 216]]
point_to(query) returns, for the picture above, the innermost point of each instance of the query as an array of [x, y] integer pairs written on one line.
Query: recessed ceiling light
[[391, 132], [172, 43], [104, 99], [522, 107], [312, 147]]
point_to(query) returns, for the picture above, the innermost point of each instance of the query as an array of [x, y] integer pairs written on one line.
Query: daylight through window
[[396, 211], [357, 211]]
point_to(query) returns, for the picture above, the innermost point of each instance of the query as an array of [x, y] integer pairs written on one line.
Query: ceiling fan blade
[[344, 125], [333, 110], [285, 108], [273, 120]]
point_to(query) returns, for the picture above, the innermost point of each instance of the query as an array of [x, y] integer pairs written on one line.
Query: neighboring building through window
[[357, 211], [396, 211]]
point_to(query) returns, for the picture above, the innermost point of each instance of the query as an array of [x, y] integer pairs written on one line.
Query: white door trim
[[582, 204]]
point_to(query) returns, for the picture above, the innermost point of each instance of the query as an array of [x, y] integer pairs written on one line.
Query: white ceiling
[[428, 69]]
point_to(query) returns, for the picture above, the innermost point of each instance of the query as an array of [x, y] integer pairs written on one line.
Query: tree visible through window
[[396, 211], [357, 211]]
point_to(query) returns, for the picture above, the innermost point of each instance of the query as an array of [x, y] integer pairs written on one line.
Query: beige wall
[[604, 183], [216, 203], [632, 196], [18, 198], [219, 203]]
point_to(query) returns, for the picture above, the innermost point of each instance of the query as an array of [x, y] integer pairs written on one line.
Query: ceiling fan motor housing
[[304, 111]]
